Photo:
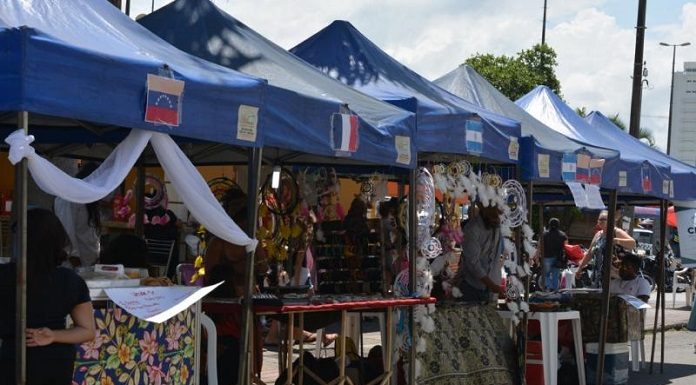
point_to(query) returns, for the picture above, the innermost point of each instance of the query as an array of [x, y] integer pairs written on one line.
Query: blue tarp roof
[[84, 59], [537, 139], [342, 52], [631, 174], [202, 29], [683, 175]]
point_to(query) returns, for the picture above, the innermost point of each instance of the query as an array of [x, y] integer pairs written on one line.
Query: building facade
[[683, 141]]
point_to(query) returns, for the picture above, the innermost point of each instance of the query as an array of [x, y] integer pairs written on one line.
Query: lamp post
[[671, 92]]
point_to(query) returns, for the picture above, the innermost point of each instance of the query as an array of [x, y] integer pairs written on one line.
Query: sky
[[594, 39]]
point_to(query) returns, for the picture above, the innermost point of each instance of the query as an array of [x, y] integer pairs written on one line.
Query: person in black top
[[53, 292], [554, 256]]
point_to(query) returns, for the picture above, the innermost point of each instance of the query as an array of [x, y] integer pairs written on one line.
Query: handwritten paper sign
[[579, 194], [635, 302], [594, 197], [157, 303]]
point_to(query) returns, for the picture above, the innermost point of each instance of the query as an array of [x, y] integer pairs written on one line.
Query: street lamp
[[671, 91]]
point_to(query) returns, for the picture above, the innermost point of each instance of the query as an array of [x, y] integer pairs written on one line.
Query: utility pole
[[543, 27], [637, 94]]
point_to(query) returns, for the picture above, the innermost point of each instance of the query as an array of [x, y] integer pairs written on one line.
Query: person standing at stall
[[478, 277], [53, 292], [226, 262], [596, 250], [554, 241], [82, 223]]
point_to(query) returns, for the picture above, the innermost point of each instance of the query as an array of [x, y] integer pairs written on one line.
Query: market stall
[[468, 151], [81, 37]]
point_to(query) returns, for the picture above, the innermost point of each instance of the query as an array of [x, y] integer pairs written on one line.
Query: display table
[[131, 351], [213, 306]]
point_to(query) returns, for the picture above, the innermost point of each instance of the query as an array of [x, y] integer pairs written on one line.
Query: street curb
[[677, 326]]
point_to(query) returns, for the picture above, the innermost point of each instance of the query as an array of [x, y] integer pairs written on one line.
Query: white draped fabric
[[191, 186]]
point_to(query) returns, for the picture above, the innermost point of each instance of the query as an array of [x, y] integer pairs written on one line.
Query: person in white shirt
[[82, 223], [631, 282]]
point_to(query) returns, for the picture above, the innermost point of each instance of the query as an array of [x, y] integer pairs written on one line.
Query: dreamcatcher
[[156, 193], [516, 200], [220, 186], [281, 200]]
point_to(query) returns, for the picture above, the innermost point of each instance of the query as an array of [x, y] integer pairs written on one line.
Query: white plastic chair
[[688, 288], [210, 330]]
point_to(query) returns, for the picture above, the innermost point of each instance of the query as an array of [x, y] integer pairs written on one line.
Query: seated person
[[630, 282], [128, 250]]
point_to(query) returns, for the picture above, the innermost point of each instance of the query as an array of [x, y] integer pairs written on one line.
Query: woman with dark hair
[[82, 224], [53, 292]]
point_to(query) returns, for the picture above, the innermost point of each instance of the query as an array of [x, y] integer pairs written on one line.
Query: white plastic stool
[[688, 289], [209, 327], [635, 320], [549, 343]]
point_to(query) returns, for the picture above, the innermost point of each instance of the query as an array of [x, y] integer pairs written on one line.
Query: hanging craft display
[[221, 185], [283, 199], [516, 200], [155, 193]]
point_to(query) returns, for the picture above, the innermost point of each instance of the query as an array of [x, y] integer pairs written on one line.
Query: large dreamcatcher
[[516, 200]]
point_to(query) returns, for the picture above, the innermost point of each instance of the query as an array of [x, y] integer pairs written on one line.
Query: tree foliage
[[515, 76]]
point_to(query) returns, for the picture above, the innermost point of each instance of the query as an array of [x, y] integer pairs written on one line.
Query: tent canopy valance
[[631, 174], [538, 139], [202, 29], [85, 61], [443, 120], [683, 175]]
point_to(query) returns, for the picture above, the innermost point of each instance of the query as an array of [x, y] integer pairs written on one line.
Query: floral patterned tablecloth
[[130, 351]]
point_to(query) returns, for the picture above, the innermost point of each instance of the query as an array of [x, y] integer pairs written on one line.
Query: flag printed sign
[[344, 129], [582, 170], [596, 167], [646, 181], [163, 104], [474, 136], [568, 167]]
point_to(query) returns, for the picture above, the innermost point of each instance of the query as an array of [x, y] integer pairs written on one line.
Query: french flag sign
[[646, 181], [474, 136], [163, 100], [344, 130], [569, 166]]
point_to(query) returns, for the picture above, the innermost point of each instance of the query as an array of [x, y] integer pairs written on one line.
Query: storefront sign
[[686, 224]]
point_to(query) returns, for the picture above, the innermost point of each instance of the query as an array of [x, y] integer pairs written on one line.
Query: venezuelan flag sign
[[163, 100]]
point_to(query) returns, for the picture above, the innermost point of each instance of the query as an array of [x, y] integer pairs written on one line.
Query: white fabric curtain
[[186, 179]]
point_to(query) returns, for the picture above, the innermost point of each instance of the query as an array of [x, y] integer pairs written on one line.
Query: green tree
[[515, 76]]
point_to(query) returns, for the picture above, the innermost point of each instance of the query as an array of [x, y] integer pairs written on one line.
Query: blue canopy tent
[[85, 61], [202, 29], [443, 119], [633, 174], [538, 139], [683, 175]]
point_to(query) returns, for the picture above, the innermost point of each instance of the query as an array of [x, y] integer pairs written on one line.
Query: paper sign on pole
[[513, 149], [157, 303], [594, 197], [579, 194]]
